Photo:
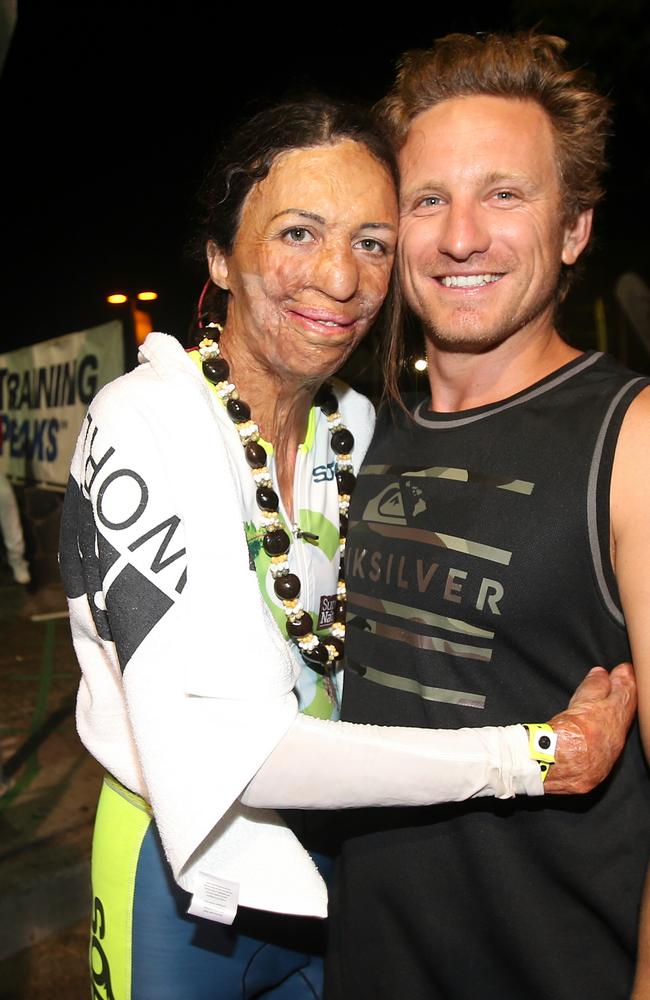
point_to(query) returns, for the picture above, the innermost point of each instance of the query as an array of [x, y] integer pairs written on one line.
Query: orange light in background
[[142, 322], [420, 365], [142, 325]]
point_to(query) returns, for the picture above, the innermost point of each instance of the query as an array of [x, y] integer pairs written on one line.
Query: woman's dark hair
[[247, 156]]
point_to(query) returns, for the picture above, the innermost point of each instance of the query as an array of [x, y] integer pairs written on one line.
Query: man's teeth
[[468, 280]]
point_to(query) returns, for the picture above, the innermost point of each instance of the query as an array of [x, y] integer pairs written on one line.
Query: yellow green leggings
[[144, 946]]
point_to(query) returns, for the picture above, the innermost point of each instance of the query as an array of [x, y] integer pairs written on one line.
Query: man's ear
[[576, 237], [217, 265]]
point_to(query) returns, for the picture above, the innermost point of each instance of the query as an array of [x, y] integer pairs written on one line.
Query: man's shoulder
[[629, 391], [637, 416], [606, 369], [593, 388]]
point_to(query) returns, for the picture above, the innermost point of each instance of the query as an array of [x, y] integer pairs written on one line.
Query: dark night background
[[109, 113]]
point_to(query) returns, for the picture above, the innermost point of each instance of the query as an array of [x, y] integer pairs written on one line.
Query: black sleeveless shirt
[[480, 591]]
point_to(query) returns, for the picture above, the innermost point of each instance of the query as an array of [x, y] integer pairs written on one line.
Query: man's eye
[[431, 201], [504, 195]]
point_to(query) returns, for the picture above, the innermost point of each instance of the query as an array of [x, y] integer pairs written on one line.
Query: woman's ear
[[217, 265]]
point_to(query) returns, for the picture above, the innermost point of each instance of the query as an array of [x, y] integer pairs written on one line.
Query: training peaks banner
[[45, 390]]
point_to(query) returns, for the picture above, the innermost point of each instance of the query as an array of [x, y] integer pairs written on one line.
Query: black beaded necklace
[[321, 655]]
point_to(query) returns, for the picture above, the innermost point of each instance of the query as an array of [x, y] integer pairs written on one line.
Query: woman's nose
[[337, 272]]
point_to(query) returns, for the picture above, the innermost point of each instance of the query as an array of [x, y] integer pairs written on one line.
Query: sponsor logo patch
[[327, 610]]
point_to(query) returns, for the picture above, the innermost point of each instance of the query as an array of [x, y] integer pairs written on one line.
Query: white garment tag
[[215, 899]]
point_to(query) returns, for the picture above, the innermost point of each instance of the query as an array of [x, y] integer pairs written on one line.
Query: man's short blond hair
[[524, 65]]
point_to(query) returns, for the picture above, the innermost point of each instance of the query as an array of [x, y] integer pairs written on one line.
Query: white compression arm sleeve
[[334, 765]]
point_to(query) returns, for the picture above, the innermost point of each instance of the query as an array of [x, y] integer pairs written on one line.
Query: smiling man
[[498, 548]]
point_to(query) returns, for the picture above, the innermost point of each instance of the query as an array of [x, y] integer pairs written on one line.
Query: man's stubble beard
[[482, 341]]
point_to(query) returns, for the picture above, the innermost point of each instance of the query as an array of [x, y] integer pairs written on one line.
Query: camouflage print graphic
[[402, 510]]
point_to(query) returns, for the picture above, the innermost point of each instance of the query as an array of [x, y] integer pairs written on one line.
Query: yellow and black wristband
[[541, 745]]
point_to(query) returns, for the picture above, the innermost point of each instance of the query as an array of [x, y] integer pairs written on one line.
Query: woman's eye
[[371, 245], [298, 234]]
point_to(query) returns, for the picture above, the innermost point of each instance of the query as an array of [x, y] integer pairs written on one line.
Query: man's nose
[[464, 231]]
